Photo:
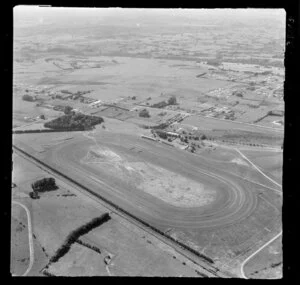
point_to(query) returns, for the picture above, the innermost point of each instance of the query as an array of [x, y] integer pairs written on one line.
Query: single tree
[[172, 100], [68, 110]]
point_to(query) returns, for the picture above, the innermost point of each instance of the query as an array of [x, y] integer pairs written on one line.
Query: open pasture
[[113, 164], [215, 124], [57, 213], [267, 264]]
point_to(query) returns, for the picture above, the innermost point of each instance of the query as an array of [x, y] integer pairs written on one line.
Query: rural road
[[258, 169], [31, 250], [270, 241], [254, 253]]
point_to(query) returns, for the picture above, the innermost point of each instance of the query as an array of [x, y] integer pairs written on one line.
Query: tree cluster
[[68, 110], [74, 121], [161, 104], [184, 139], [42, 185], [171, 101], [144, 113], [237, 93], [160, 126], [162, 134], [162, 114], [29, 98]]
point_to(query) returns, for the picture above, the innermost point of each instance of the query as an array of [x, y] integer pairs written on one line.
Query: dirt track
[[233, 201]]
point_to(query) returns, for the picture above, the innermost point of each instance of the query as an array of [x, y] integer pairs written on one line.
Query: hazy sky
[[33, 10], [48, 14]]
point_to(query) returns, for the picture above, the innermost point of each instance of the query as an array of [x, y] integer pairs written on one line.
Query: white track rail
[[31, 249]]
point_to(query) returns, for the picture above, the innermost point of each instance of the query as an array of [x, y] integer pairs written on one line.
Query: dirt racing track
[[232, 200]]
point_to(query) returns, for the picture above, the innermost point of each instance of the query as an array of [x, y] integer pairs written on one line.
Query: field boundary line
[[31, 249], [258, 169]]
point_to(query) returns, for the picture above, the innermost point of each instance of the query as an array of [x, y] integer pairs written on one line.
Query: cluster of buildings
[[220, 92], [218, 112]]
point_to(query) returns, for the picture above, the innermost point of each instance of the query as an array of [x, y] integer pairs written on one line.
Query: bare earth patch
[[173, 188], [239, 161], [168, 186]]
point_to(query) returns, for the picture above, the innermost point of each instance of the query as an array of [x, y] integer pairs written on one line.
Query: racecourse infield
[[233, 200]]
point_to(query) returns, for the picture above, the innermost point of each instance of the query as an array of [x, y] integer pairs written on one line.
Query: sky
[[44, 15]]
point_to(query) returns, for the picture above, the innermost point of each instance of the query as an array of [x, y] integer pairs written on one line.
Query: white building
[[173, 134]]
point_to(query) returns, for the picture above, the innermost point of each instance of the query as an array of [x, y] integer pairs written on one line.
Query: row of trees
[[73, 120], [171, 101], [74, 235], [92, 247]]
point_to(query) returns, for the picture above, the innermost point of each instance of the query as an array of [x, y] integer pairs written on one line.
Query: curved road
[[254, 253], [31, 250]]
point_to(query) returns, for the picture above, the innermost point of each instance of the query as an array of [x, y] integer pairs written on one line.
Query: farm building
[[173, 134]]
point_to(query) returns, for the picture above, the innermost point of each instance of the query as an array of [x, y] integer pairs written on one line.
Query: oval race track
[[234, 200]]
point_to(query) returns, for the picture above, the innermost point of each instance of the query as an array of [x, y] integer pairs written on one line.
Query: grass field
[[270, 162], [214, 124], [227, 230], [267, 264], [223, 67], [56, 213], [19, 241]]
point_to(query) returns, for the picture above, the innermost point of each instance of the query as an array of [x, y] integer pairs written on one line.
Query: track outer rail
[[207, 261]]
